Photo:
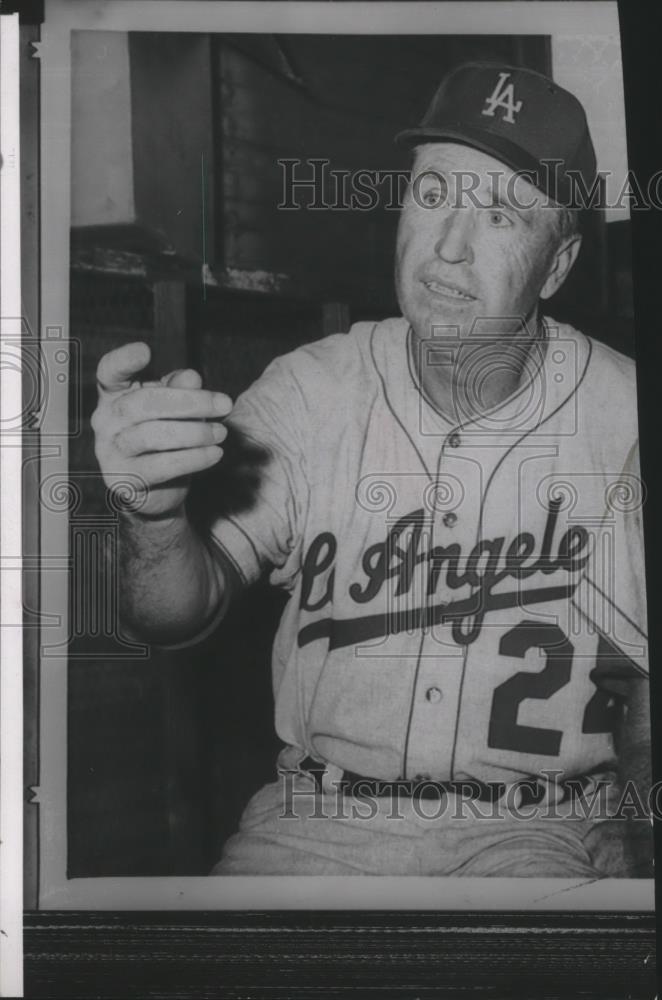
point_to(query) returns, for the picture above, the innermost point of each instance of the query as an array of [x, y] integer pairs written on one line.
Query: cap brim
[[494, 145]]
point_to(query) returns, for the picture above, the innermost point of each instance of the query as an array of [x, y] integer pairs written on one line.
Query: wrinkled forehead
[[466, 171]]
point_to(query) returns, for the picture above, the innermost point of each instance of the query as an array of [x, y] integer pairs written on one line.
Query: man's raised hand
[[151, 437]]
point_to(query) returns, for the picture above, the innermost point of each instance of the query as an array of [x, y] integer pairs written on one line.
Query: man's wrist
[[164, 520]]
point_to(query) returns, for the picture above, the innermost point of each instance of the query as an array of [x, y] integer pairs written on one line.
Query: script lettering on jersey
[[397, 557]]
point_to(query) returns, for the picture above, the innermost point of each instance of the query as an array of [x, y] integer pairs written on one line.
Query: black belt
[[532, 791]]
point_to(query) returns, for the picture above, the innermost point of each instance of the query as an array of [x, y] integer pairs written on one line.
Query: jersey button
[[450, 519], [421, 777], [455, 440], [434, 695]]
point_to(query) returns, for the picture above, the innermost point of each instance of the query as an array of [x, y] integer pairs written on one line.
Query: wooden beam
[[169, 326], [335, 318]]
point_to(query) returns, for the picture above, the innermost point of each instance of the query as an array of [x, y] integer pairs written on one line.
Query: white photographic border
[[56, 891], [11, 634]]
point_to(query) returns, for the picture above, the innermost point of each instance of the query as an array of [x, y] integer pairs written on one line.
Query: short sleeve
[[260, 529]]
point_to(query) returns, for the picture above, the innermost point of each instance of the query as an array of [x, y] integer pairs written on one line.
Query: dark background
[[165, 749]]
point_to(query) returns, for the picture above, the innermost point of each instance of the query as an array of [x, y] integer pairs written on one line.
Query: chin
[[424, 326]]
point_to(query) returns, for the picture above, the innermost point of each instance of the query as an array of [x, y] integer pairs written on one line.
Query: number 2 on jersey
[[505, 732]]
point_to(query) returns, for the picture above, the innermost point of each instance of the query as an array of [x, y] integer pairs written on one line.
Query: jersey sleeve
[[264, 483]]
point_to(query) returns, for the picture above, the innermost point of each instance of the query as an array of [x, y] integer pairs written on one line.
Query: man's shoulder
[[611, 362], [603, 393], [339, 357], [601, 367]]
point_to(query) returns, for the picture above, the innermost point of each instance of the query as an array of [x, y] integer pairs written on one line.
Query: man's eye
[[431, 197], [498, 219], [432, 192]]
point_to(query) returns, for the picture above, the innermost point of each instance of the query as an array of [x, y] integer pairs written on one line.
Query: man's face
[[460, 260]]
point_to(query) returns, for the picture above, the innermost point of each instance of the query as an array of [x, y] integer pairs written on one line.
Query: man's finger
[[117, 369], [167, 466], [183, 378], [169, 435], [164, 403]]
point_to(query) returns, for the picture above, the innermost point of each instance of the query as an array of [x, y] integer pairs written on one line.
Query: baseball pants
[[290, 827]]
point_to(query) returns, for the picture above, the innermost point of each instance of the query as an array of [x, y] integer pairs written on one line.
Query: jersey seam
[[392, 408], [480, 524], [640, 670], [230, 557], [417, 670], [614, 605], [248, 538], [430, 477]]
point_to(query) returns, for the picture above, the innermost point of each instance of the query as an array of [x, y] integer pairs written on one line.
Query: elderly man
[[459, 673]]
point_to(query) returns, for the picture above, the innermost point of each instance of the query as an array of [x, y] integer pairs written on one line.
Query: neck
[[480, 374]]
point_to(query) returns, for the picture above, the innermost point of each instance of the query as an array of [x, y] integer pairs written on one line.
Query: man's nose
[[454, 242]]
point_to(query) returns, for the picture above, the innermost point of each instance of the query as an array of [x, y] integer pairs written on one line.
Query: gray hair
[[566, 223]]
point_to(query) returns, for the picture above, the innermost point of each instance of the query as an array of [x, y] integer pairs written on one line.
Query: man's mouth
[[448, 291]]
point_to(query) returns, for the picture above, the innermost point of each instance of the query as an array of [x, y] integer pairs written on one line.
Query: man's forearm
[[169, 586]]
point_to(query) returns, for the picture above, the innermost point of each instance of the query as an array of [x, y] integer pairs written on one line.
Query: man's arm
[[149, 439], [622, 847], [172, 587]]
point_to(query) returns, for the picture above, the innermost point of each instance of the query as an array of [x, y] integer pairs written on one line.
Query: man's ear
[[562, 262]]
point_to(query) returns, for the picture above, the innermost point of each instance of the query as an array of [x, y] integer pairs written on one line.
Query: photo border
[[11, 458], [635, 926]]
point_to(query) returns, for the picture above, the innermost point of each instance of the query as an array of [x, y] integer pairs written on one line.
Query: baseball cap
[[521, 117]]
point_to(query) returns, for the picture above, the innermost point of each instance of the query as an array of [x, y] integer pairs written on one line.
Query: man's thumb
[[118, 368]]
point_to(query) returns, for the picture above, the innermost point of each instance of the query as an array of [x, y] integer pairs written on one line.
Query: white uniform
[[453, 586]]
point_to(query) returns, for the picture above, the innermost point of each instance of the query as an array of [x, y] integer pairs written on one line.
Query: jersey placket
[[463, 469]]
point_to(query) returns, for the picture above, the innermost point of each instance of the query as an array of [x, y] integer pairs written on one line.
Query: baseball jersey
[[454, 587]]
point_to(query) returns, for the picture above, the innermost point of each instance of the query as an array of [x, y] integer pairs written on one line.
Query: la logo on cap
[[503, 96]]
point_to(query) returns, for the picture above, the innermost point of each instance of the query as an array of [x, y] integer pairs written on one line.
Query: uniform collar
[[555, 369]]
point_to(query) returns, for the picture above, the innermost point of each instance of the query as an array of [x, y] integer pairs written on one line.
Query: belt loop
[[324, 774], [332, 777], [530, 791], [316, 769]]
